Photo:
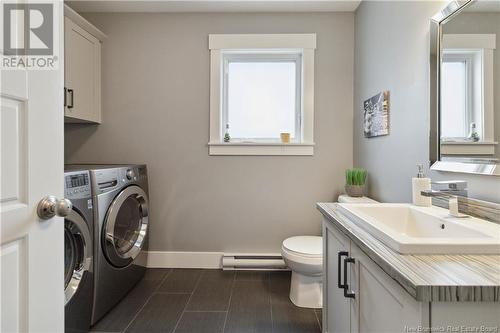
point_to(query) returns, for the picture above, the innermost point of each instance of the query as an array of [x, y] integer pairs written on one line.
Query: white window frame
[[482, 46], [299, 47]]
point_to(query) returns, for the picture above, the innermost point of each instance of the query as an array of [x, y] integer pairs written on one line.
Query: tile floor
[[210, 301]]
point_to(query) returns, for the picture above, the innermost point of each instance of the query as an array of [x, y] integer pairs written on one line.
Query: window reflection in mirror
[[456, 96], [470, 84]]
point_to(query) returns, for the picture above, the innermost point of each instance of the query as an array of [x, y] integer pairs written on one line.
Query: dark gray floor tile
[[160, 314], [288, 318], [319, 315], [249, 297], [251, 275], [120, 316], [212, 292], [250, 308], [144, 289], [201, 322], [181, 281], [156, 274], [280, 287]]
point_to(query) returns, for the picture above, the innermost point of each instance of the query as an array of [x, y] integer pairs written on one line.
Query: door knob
[[49, 207]]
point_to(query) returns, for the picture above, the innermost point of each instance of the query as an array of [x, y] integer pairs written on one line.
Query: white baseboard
[[173, 259]]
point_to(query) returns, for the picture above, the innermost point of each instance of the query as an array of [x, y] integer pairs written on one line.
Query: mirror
[[465, 92]]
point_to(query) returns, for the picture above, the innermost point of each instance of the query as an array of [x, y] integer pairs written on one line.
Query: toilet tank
[[344, 198]]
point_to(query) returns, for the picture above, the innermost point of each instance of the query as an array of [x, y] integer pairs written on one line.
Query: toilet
[[344, 198], [304, 256]]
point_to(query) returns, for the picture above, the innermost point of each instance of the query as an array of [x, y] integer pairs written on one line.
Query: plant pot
[[354, 190]]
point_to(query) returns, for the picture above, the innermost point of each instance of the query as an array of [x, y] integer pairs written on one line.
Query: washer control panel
[[77, 184], [108, 179]]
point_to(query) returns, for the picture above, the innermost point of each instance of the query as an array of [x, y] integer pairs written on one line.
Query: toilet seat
[[313, 264], [304, 246]]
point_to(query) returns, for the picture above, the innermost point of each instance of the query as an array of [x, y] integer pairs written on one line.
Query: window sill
[[261, 148], [468, 148]]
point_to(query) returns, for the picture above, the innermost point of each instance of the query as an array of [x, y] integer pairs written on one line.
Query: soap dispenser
[[419, 184]]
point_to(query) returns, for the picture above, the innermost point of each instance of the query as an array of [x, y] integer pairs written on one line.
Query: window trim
[[219, 45], [485, 44]]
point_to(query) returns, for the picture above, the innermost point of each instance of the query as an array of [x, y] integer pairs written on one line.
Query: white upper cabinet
[[82, 69]]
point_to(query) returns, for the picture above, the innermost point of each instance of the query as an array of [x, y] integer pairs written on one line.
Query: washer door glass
[[70, 256], [77, 253], [126, 226]]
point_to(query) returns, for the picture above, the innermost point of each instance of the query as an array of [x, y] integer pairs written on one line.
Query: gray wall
[[482, 23], [155, 110], [392, 53]]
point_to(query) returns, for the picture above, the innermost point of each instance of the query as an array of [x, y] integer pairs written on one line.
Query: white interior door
[[32, 166]]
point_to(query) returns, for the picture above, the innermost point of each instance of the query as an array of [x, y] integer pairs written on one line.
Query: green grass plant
[[355, 176]]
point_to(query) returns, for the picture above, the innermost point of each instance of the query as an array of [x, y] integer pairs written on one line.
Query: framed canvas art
[[376, 115]]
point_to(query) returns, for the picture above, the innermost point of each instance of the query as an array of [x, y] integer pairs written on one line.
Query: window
[[456, 95], [262, 96], [261, 86]]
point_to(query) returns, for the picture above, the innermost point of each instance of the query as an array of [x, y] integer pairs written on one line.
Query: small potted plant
[[355, 182]]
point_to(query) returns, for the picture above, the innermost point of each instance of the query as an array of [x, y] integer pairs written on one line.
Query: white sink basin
[[409, 229]]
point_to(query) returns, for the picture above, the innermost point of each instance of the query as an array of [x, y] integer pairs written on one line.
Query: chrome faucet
[[453, 189]]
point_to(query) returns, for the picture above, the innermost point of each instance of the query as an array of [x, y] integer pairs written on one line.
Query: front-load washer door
[[77, 253], [125, 226]]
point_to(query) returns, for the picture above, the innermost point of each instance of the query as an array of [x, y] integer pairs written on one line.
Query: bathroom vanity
[[370, 287]]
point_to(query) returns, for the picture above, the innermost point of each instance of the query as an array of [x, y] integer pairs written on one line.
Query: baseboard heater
[[253, 262]]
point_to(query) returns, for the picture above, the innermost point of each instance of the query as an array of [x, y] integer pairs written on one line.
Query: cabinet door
[[380, 303], [336, 317], [82, 74], [471, 315]]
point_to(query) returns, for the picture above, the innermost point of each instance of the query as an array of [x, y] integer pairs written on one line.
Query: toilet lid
[[305, 245]]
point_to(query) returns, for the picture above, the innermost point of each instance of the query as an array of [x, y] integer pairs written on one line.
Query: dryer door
[[125, 226], [77, 253]]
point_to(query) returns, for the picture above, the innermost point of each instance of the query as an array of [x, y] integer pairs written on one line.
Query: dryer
[[121, 212], [78, 252]]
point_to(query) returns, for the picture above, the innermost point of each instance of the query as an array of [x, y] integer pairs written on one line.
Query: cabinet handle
[[347, 293], [339, 268], [65, 93], [70, 92]]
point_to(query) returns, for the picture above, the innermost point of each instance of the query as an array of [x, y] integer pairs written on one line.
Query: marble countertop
[[428, 278]]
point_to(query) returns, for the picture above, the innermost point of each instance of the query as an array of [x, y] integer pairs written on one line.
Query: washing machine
[[78, 252], [121, 213]]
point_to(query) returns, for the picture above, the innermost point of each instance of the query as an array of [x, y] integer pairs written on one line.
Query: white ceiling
[[215, 6]]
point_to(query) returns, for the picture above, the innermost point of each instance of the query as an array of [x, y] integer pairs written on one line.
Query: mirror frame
[[452, 9]]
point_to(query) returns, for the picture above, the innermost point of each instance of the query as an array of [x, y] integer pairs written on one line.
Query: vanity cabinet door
[[336, 313], [380, 303]]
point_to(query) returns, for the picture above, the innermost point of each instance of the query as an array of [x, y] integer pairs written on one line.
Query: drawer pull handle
[[347, 292], [339, 269], [71, 99]]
